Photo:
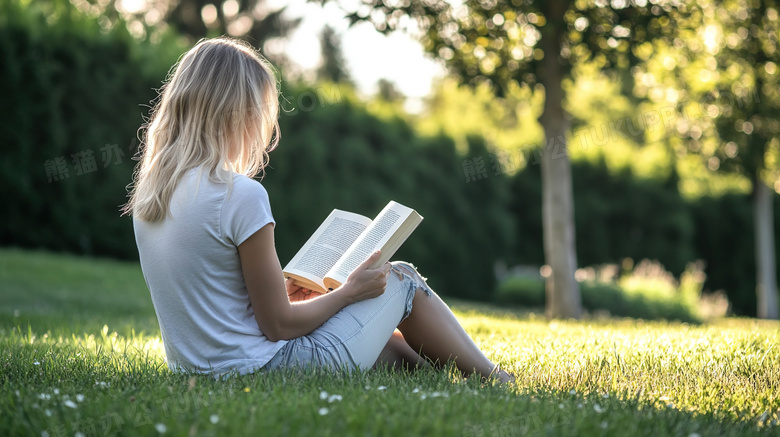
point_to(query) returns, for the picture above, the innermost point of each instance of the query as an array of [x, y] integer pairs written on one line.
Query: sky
[[369, 55]]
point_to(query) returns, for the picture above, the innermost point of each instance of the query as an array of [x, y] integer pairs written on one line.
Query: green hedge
[[71, 95], [724, 239], [616, 216]]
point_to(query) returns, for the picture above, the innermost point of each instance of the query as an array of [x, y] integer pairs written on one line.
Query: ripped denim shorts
[[355, 336]]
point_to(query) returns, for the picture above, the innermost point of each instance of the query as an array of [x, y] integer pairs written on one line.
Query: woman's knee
[[407, 272]]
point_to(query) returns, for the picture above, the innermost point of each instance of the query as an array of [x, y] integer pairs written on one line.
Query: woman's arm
[[277, 317]]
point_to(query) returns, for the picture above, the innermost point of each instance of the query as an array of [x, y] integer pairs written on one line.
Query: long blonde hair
[[219, 111]]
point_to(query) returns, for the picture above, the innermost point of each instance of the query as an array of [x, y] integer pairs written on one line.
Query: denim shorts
[[355, 336]]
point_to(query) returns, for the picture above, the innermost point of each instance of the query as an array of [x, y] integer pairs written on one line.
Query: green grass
[[80, 352]]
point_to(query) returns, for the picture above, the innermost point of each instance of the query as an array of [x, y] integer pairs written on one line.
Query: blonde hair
[[218, 111]]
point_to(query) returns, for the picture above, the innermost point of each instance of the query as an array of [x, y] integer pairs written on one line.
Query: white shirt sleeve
[[246, 210]]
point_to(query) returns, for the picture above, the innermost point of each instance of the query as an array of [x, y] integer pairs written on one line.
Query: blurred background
[[647, 131]]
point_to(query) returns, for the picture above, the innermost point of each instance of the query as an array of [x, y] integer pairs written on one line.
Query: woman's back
[[192, 268]]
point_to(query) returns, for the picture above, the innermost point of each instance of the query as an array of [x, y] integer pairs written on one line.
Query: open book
[[344, 240]]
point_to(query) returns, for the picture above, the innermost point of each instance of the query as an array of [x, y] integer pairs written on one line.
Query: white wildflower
[[694, 434], [381, 387], [597, 408], [323, 395], [572, 392], [78, 434], [69, 404], [36, 363], [48, 413], [322, 411], [334, 398], [605, 396], [161, 428], [56, 391], [214, 419], [44, 396], [416, 390], [80, 397]]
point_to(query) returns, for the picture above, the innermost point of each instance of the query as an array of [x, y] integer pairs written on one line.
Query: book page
[[375, 236], [324, 248]]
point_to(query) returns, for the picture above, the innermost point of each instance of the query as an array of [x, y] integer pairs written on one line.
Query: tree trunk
[[766, 275], [562, 290]]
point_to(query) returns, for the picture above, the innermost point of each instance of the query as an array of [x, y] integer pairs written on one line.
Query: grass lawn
[[80, 354]]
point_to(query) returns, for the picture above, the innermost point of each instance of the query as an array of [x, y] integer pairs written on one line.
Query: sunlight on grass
[[729, 368], [105, 353], [591, 377]]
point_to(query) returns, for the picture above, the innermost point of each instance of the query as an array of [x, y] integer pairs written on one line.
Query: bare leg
[[433, 329], [399, 355]]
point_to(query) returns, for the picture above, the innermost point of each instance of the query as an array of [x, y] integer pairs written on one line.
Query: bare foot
[[505, 377], [501, 375]]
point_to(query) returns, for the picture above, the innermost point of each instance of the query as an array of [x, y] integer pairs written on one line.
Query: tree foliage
[[256, 21], [497, 42]]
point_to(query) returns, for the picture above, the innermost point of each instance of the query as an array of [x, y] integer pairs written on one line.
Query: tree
[[388, 92], [333, 66], [729, 74], [753, 126], [521, 42], [251, 20]]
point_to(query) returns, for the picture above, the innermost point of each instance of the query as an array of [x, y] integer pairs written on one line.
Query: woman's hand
[[366, 283], [296, 293], [277, 318]]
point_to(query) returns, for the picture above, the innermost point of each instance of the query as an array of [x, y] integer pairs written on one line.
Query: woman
[[205, 235]]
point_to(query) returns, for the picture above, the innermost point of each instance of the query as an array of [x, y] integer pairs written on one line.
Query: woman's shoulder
[[246, 183], [246, 209], [247, 189], [232, 187]]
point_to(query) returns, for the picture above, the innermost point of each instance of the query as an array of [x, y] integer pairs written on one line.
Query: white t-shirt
[[191, 265]]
